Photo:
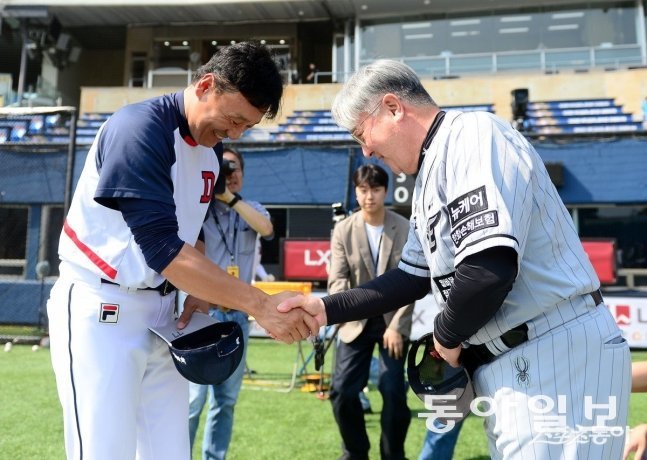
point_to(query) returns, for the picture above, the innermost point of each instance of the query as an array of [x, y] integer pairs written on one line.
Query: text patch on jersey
[[474, 224], [444, 284], [466, 205], [431, 225], [109, 313]]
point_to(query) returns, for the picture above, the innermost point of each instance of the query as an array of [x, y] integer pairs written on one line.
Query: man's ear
[[393, 104], [204, 84]]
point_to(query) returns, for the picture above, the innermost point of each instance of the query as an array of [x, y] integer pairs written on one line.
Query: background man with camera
[[230, 231]]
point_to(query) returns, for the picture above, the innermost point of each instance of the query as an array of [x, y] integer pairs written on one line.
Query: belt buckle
[[166, 288]]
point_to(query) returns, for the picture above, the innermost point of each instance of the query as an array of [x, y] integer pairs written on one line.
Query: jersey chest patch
[[109, 313], [467, 205], [444, 284], [474, 224], [470, 213]]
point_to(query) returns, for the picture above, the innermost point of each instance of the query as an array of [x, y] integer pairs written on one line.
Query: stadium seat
[[579, 116], [471, 108], [5, 134], [310, 125]]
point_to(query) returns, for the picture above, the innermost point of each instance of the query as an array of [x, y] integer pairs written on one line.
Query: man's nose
[[235, 133], [367, 152]]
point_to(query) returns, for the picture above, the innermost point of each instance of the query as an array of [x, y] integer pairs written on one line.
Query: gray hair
[[366, 86]]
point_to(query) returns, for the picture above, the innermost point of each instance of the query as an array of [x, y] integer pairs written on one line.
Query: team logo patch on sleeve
[[444, 284], [109, 313], [474, 224], [431, 236], [467, 205]]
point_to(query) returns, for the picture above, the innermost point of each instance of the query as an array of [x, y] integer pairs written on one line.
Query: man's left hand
[[393, 342], [192, 304], [450, 355]]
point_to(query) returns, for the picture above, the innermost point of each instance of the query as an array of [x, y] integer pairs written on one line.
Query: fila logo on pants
[[109, 313]]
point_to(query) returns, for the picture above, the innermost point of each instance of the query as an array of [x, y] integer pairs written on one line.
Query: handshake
[[291, 316], [286, 316]]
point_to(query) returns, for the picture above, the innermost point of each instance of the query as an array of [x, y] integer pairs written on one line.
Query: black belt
[[597, 296], [164, 289], [476, 355]]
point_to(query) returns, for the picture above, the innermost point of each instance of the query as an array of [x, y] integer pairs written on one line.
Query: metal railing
[[634, 277], [543, 60]]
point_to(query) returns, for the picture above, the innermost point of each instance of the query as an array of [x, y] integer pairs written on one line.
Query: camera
[[228, 167]]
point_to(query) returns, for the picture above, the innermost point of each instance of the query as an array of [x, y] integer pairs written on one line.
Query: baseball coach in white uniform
[[520, 302]]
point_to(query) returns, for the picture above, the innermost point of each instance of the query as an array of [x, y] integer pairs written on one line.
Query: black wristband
[[234, 200]]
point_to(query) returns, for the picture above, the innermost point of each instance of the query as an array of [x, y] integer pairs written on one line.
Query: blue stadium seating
[[548, 117], [302, 125], [471, 108], [88, 125], [34, 129], [579, 116], [318, 125], [16, 128], [5, 134], [310, 125]]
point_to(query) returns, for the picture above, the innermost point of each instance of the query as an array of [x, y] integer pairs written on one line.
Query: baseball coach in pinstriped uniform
[[520, 303]]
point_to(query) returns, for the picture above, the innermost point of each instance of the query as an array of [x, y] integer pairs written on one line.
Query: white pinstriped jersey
[[483, 185]]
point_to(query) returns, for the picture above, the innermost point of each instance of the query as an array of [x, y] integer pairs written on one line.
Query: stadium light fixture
[[25, 12]]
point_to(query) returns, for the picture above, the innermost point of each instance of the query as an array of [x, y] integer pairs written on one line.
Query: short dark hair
[[371, 174], [238, 155], [248, 68]]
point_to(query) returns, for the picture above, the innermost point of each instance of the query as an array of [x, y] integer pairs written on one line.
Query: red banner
[[306, 259], [602, 255]]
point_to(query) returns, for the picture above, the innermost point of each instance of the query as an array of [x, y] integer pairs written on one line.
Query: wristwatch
[[234, 200]]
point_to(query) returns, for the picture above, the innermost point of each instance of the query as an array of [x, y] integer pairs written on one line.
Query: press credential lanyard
[[232, 255]]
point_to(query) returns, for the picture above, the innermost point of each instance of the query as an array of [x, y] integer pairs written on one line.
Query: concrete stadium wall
[[628, 87]]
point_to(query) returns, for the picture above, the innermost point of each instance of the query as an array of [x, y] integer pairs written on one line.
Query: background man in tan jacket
[[365, 245]]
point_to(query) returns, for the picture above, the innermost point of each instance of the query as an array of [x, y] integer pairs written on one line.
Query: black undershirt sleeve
[[481, 283], [389, 291], [155, 229]]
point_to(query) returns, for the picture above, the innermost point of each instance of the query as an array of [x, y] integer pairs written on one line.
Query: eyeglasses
[[360, 138]]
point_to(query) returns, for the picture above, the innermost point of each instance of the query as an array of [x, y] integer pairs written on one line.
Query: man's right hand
[[291, 327], [311, 304]]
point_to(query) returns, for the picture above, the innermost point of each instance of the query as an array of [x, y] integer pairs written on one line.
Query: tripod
[[320, 350]]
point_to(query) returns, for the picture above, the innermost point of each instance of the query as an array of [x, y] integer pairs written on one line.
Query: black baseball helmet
[[429, 374], [206, 351]]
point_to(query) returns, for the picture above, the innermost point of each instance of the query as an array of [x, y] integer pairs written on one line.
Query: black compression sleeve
[[389, 291], [481, 283]]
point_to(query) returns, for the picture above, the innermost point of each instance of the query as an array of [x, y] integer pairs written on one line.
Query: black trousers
[[351, 374]]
